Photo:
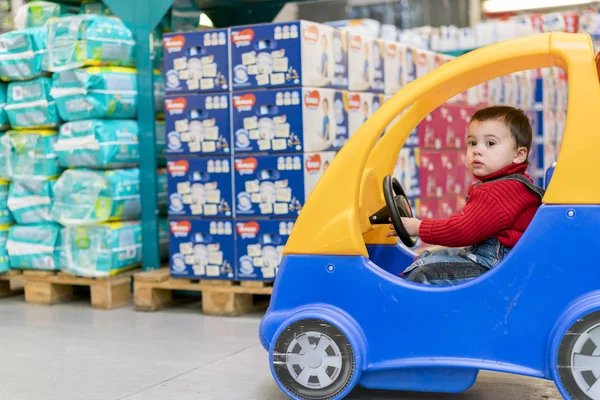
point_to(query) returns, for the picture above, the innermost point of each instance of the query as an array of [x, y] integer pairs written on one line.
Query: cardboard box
[[545, 93], [299, 53], [202, 249], [289, 120], [198, 124], [259, 246], [277, 185], [429, 208], [200, 187], [410, 65], [394, 67], [447, 206], [450, 170], [365, 64], [359, 107], [407, 171], [431, 174], [197, 61]]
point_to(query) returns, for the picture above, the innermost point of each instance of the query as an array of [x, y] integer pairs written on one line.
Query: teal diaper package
[[101, 92], [6, 217], [4, 263], [161, 143], [29, 105], [98, 144], [88, 40], [37, 13], [35, 246], [101, 250], [29, 154], [22, 54], [95, 7], [4, 124], [85, 196], [30, 201], [104, 144]]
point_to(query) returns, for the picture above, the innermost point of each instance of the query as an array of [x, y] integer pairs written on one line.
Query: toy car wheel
[[579, 359], [313, 360]]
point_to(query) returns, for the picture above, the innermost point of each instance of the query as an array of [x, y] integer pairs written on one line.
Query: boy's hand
[[411, 225]]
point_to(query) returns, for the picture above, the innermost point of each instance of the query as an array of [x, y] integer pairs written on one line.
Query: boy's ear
[[520, 155]]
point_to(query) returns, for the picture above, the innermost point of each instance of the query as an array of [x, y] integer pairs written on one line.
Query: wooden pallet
[[7, 283], [51, 287], [153, 290]]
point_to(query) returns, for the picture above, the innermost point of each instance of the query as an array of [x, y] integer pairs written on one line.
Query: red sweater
[[500, 209]]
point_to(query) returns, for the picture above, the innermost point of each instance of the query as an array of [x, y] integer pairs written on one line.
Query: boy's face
[[491, 147]]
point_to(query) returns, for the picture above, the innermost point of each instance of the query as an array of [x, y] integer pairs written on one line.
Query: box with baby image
[[202, 249], [407, 171], [359, 107], [196, 61], [259, 245], [277, 185], [365, 64], [297, 53], [289, 120], [432, 174], [198, 124], [200, 187]]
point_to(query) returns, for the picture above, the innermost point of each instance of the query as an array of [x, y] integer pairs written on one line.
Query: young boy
[[499, 207]]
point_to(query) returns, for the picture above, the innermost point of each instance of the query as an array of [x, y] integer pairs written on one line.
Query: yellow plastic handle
[[336, 214]]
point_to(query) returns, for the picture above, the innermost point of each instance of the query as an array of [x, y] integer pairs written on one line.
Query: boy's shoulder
[[508, 186]]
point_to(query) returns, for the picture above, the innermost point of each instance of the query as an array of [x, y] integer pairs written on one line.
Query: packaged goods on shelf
[[106, 249], [37, 13], [202, 249], [359, 107], [297, 53], [30, 201], [30, 106], [101, 92], [185, 15], [407, 170], [85, 196], [200, 187], [363, 26], [197, 61], [365, 64], [394, 60], [276, 185], [35, 246], [4, 123], [103, 144], [198, 124], [22, 54], [29, 154], [88, 40], [6, 217], [161, 143], [289, 120], [259, 245], [4, 262]]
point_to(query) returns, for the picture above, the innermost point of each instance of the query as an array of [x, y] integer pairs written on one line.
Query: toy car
[[339, 314]]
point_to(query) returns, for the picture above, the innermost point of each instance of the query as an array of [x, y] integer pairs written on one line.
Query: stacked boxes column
[[199, 154], [288, 119]]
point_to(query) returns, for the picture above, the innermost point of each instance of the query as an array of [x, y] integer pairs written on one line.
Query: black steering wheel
[[398, 207]]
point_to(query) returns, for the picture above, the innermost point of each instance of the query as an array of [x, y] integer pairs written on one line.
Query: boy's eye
[[472, 143], [491, 143]]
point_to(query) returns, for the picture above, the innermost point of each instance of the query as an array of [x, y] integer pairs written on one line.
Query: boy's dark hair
[[514, 118]]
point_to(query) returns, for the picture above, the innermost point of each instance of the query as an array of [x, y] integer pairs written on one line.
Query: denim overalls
[[452, 265]]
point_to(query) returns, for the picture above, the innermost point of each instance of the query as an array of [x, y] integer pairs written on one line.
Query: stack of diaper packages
[[97, 199]]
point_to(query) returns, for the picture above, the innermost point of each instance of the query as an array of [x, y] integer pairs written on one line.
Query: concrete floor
[[70, 351]]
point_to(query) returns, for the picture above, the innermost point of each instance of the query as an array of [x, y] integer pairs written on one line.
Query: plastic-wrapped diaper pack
[[36, 13], [105, 144], [84, 40], [4, 124], [101, 250], [30, 201], [4, 264], [161, 143], [98, 144], [29, 104], [29, 154], [35, 246], [6, 217], [85, 196], [101, 92], [22, 54]]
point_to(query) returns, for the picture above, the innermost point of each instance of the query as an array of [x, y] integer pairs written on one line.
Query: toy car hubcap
[[313, 360], [585, 362]]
